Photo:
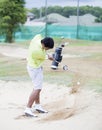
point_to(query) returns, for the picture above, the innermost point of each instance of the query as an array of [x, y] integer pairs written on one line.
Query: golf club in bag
[[58, 57]]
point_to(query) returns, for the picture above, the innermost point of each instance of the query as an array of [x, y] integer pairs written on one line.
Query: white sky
[[40, 3]]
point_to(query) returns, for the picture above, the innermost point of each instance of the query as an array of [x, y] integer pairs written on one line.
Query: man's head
[[48, 42]]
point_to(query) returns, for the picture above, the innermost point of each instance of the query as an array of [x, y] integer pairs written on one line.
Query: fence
[[84, 32]]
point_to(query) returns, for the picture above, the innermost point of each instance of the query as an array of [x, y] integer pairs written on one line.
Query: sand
[[81, 110]]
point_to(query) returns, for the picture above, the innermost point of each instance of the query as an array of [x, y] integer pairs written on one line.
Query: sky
[[41, 3]]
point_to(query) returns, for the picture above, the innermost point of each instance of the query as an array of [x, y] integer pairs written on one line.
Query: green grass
[[76, 42], [12, 68], [58, 77], [83, 43], [15, 69], [95, 84]]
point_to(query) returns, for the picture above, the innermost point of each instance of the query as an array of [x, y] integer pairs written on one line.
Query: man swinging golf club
[[36, 56]]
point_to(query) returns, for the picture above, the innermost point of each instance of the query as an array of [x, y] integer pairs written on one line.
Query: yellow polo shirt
[[36, 55]]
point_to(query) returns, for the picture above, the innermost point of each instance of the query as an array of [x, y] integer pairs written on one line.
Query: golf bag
[[57, 57]]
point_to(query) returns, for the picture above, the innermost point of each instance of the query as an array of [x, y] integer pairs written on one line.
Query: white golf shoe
[[39, 108], [28, 112]]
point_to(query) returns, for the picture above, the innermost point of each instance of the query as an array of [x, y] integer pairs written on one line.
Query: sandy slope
[[78, 111], [13, 51], [82, 110]]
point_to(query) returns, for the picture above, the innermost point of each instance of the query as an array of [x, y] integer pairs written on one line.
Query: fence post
[[77, 34], [45, 18]]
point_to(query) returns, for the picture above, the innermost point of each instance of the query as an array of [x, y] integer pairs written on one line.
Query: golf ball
[[78, 83]]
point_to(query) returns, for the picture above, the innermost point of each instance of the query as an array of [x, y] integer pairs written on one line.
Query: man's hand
[[50, 57]]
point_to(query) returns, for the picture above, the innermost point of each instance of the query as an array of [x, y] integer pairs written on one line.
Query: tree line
[[13, 14], [67, 11]]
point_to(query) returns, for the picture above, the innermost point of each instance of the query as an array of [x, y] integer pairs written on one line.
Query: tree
[[36, 12], [99, 19], [68, 10], [12, 14]]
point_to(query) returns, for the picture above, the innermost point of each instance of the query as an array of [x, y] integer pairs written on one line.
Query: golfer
[[36, 56]]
